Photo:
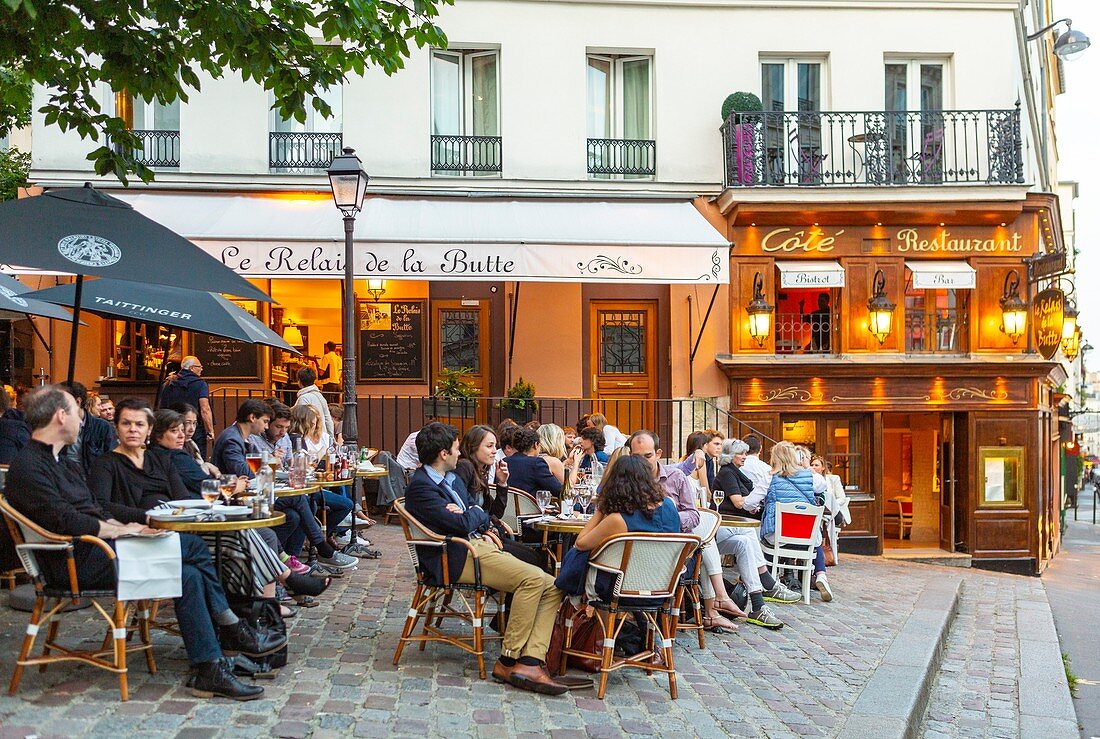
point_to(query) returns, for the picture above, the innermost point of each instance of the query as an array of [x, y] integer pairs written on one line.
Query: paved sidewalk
[[801, 681], [1072, 584]]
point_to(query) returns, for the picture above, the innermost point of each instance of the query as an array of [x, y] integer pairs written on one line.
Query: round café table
[[566, 527], [289, 492], [217, 528], [743, 522]]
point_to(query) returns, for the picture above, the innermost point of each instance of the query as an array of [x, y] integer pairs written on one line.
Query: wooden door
[[460, 342], [947, 479], [623, 359]]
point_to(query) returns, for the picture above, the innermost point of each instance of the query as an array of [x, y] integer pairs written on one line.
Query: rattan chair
[[646, 569], [31, 540], [709, 523], [432, 602], [519, 505]]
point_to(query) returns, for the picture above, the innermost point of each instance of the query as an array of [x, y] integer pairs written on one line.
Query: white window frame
[[312, 116], [912, 78], [148, 120], [617, 96], [466, 86], [790, 77]]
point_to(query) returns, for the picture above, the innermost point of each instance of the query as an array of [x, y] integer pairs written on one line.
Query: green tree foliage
[[155, 50], [14, 166]]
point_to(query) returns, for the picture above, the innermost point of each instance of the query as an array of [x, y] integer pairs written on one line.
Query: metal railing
[[465, 154], [158, 148], [626, 157], [385, 421], [295, 151], [800, 333], [823, 148], [941, 333]]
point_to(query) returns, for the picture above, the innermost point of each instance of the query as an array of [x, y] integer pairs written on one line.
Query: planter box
[[450, 407], [519, 415]]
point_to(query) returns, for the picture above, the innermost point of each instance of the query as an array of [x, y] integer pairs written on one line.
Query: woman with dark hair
[[190, 418], [477, 456], [590, 446], [168, 439], [14, 431], [630, 500]]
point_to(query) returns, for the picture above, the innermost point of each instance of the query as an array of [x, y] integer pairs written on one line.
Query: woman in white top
[[835, 488], [306, 422]]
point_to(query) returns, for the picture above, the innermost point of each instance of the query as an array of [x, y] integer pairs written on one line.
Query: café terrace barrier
[[386, 420]]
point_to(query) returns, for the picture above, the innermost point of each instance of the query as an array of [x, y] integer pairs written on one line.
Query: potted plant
[[454, 395], [745, 133], [519, 403]]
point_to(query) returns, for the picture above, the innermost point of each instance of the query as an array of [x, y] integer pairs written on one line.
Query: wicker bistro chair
[[519, 505], [432, 602], [647, 569], [709, 523], [32, 540]]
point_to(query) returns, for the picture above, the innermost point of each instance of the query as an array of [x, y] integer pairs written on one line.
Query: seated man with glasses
[[50, 490]]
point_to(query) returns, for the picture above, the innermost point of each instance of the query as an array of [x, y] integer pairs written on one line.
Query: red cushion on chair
[[907, 508], [798, 525]]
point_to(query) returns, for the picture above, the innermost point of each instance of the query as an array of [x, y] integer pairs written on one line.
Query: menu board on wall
[[226, 358], [392, 345]]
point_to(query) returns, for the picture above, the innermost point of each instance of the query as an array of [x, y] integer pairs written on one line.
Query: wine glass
[[210, 491], [542, 498], [567, 498], [718, 496], [228, 485], [255, 461], [584, 497]]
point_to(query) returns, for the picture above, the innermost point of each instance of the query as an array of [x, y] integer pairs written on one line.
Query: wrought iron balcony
[[812, 333], [879, 148], [624, 157], [942, 332], [158, 148], [297, 151], [452, 154]]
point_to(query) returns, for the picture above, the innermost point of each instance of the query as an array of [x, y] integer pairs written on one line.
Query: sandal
[[367, 520], [307, 585], [306, 601], [287, 611], [727, 610], [714, 624]]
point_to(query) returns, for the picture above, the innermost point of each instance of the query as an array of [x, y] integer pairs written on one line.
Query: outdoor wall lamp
[[760, 312], [1071, 331], [1070, 44], [376, 288], [881, 311], [1013, 308], [349, 186]]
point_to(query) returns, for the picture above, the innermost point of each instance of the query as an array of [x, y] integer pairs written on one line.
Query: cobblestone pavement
[[975, 693], [340, 681]]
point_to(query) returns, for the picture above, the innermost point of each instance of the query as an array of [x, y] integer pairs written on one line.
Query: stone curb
[[1046, 708], [894, 700]]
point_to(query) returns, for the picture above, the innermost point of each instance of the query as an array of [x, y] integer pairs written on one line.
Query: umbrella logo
[[13, 296], [89, 251]]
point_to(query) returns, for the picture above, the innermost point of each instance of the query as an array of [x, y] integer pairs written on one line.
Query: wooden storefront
[[947, 413]]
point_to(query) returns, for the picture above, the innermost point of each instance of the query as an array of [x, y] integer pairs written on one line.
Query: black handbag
[[263, 614]]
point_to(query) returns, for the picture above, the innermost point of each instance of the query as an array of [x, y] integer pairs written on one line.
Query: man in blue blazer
[[438, 499]]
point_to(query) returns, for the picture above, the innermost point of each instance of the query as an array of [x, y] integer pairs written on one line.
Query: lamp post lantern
[[349, 186], [880, 311], [760, 312], [1013, 308]]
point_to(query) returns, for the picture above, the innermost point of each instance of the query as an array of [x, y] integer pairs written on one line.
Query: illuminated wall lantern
[[1071, 332], [881, 311], [1013, 308], [377, 288], [760, 312]]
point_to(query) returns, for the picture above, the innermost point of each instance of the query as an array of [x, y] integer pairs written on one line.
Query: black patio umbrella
[[178, 307], [13, 299], [82, 231]]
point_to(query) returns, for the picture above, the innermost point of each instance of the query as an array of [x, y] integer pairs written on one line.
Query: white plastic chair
[[795, 538], [834, 530]]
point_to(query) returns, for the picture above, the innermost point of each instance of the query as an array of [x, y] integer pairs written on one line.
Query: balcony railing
[[800, 333], [295, 151], [623, 157], [941, 333], [158, 148], [466, 154], [880, 148]]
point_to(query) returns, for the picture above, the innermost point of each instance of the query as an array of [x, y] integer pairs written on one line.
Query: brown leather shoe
[[503, 673], [536, 679]]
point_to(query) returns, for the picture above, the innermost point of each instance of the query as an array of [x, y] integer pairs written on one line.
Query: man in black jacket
[[96, 436], [50, 490], [438, 499]]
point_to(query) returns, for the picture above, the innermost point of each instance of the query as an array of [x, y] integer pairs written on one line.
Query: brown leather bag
[[830, 555], [587, 636]]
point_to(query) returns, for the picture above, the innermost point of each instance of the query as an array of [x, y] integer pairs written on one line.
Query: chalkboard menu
[[392, 347], [226, 358]]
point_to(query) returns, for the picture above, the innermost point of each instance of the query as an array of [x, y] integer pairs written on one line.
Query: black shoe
[[242, 638], [216, 679]]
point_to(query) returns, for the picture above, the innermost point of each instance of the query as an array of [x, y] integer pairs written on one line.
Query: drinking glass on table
[[717, 496], [210, 491], [228, 485], [567, 499], [255, 461], [542, 499], [584, 497]]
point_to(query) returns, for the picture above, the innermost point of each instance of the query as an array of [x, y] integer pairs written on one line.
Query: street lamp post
[[349, 186]]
